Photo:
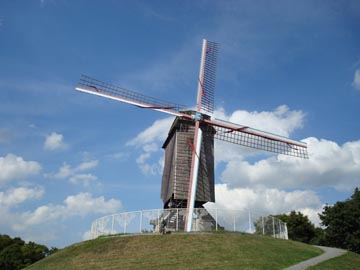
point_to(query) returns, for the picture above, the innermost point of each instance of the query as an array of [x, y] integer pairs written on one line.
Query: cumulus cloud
[[329, 164], [356, 81], [13, 167], [15, 196], [54, 141], [82, 204], [83, 179], [75, 174], [155, 133], [267, 200], [46, 221], [281, 120], [150, 168], [64, 171], [87, 165], [150, 141]]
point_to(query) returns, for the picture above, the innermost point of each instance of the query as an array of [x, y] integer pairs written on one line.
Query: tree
[[300, 228], [33, 252], [342, 223], [5, 241], [11, 257], [16, 254]]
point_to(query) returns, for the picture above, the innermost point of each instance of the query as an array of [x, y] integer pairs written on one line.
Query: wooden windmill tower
[[188, 177]]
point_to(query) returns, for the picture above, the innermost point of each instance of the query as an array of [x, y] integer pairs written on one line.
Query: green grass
[[180, 251], [348, 261]]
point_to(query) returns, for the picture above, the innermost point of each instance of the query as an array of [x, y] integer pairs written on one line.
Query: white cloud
[[150, 141], [329, 165], [64, 172], [13, 167], [82, 204], [281, 121], [83, 179], [48, 222], [313, 214], [157, 132], [54, 141], [74, 174], [356, 82], [150, 168], [86, 165], [15, 196], [268, 201]]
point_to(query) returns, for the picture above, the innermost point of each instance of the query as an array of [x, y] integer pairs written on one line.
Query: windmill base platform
[[173, 222]]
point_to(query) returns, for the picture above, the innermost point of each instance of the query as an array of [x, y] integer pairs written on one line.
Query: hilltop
[[180, 251]]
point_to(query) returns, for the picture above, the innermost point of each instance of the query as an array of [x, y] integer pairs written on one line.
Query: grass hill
[[180, 251]]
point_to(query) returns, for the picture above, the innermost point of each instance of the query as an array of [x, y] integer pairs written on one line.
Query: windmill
[[188, 177]]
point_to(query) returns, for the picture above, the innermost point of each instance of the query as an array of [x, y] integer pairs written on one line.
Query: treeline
[[341, 225], [16, 254]]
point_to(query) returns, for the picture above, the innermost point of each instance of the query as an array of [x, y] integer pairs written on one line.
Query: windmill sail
[[207, 78], [205, 102], [99, 88], [253, 138]]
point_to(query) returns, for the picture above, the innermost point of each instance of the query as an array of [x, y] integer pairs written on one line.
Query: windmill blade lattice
[[209, 79], [96, 87], [262, 142]]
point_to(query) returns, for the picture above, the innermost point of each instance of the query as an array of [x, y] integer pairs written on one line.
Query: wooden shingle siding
[[178, 154], [169, 170]]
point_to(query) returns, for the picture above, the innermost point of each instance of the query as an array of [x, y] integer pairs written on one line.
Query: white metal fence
[[213, 219]]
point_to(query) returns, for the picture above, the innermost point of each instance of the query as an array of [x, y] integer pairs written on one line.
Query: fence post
[[141, 215], [280, 230], [92, 230], [124, 223], [263, 225], [177, 219], [158, 220], [194, 223], [112, 224], [216, 219], [273, 221], [234, 222], [249, 222]]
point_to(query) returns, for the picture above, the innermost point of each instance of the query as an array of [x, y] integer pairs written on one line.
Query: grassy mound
[[180, 251]]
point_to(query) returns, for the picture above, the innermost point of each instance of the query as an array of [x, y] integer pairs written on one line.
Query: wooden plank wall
[[178, 154]]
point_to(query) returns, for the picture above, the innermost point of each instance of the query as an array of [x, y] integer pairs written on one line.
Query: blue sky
[[66, 158]]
